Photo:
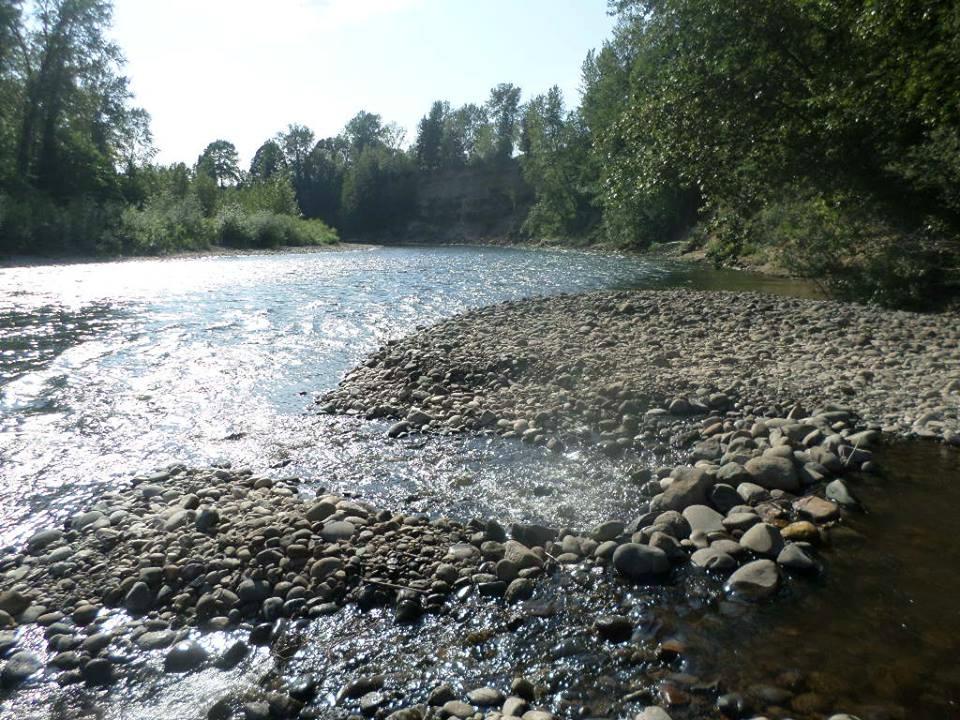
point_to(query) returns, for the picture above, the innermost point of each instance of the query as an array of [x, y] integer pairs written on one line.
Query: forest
[[820, 139]]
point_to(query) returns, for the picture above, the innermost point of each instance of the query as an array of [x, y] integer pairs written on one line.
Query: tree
[[504, 111], [297, 142], [363, 130], [220, 162], [430, 137], [75, 125], [462, 132], [268, 161], [555, 147]]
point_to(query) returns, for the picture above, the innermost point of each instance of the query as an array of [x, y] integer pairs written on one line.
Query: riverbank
[[16, 261]]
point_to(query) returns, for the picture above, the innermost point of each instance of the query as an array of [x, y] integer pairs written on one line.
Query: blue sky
[[244, 69]]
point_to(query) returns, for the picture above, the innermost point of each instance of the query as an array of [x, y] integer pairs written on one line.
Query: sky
[[242, 70]]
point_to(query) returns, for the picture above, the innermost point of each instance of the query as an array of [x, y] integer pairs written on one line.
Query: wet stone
[[640, 562], [703, 518], [458, 709], [794, 558], [616, 628], [184, 656], [485, 697], [713, 559], [755, 580], [19, 667], [763, 539], [817, 509]]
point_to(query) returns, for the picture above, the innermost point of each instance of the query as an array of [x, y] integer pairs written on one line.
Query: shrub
[[165, 225], [844, 245]]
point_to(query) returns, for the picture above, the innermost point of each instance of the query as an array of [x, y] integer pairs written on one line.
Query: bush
[[33, 223], [165, 225], [236, 229], [842, 244]]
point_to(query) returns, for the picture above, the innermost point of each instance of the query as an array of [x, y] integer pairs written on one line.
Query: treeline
[[823, 137], [75, 154]]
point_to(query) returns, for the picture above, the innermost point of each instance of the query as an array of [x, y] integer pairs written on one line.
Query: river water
[[112, 369]]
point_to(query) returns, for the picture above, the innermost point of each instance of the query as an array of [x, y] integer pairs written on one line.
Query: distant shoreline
[[17, 261]]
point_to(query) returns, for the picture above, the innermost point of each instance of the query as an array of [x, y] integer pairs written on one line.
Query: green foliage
[[166, 224], [219, 161], [275, 196], [268, 161], [235, 228], [555, 148], [503, 108], [378, 191], [842, 243], [35, 224]]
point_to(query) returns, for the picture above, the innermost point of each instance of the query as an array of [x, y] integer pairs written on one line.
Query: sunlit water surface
[[111, 369]]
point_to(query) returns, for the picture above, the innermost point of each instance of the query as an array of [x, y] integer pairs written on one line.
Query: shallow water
[[110, 369]]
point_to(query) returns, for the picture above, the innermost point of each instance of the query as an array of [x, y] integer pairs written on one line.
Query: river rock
[[139, 599], [640, 562], [817, 509], [690, 487], [41, 539], [338, 530], [712, 558], [801, 531], [19, 667], [609, 530], [755, 580], [325, 567], [793, 558], [185, 656], [155, 639], [703, 518], [773, 473], [653, 712], [763, 539], [519, 589], [520, 555], [514, 706], [13, 602], [99, 671], [724, 497], [752, 493], [485, 696], [838, 492], [616, 628], [458, 709]]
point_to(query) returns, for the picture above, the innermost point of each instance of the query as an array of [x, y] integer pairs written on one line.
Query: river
[[112, 369]]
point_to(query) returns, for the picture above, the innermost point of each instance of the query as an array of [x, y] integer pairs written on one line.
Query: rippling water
[[109, 369]]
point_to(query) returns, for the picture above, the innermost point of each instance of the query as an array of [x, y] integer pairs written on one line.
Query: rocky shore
[[743, 421], [597, 367]]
